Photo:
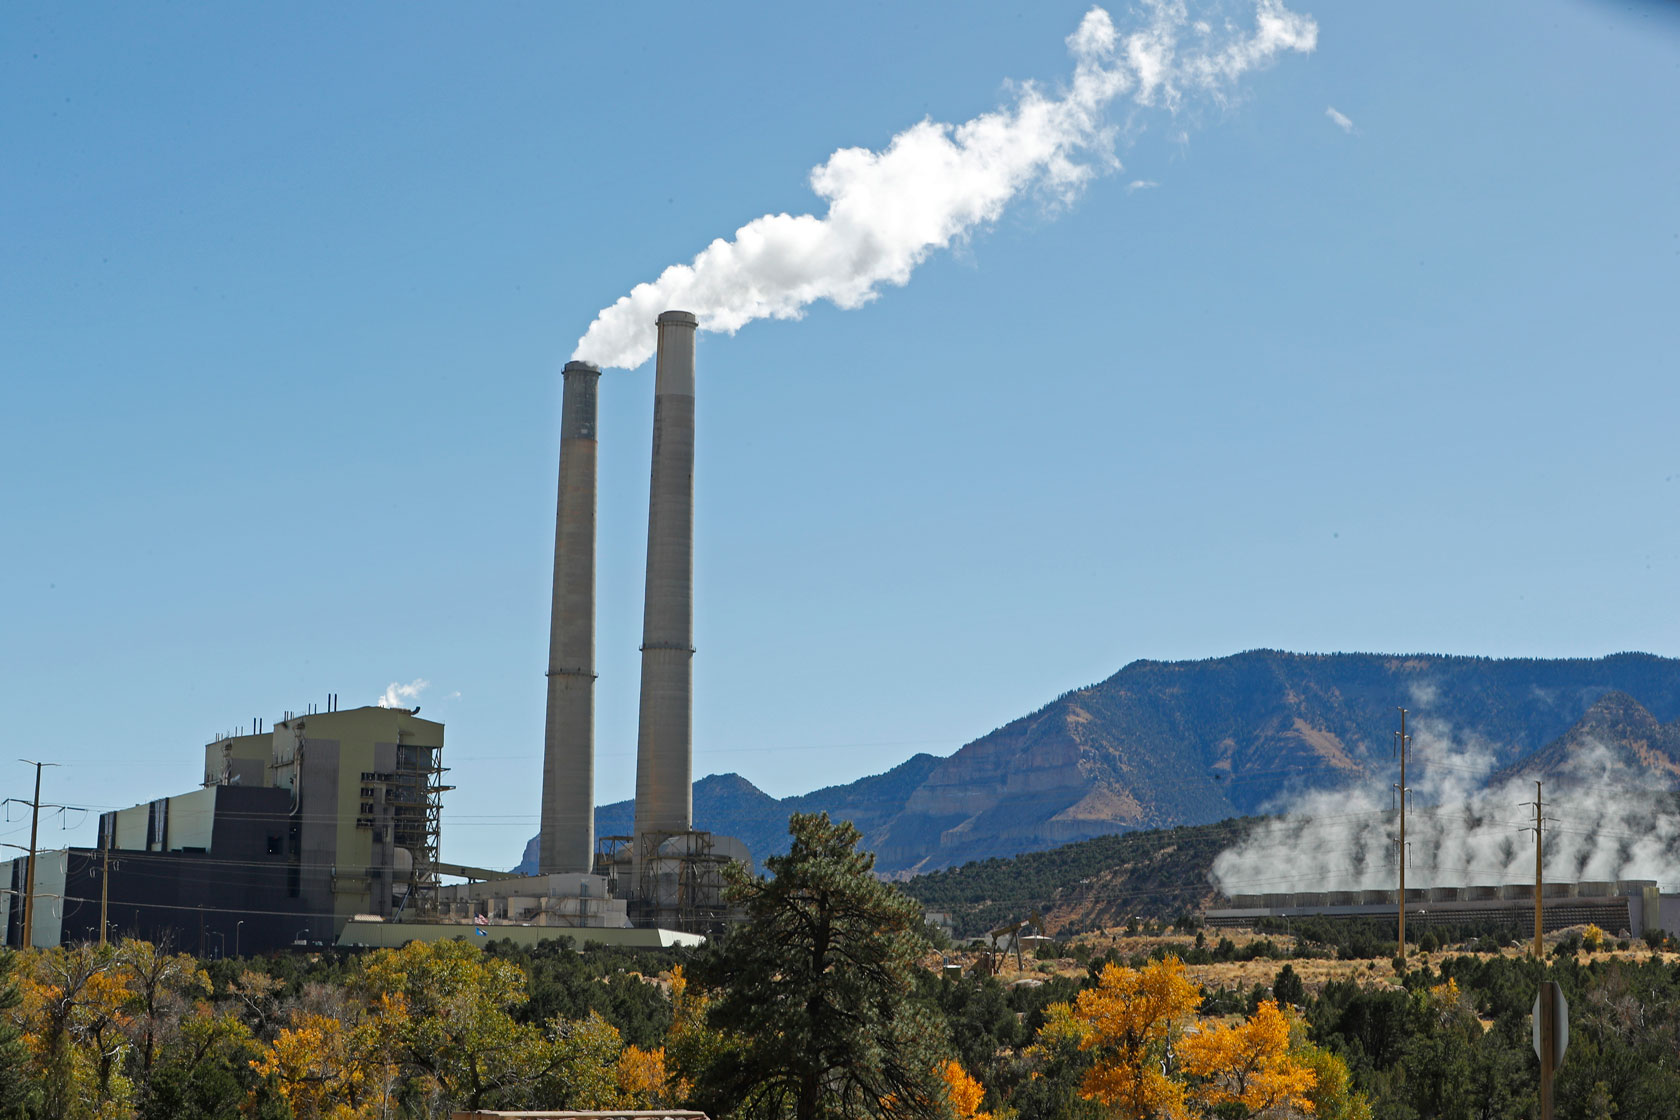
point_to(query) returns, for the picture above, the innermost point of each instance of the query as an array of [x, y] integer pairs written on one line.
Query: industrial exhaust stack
[[568, 798], [664, 792]]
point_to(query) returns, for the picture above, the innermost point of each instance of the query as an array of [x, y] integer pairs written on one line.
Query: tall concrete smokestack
[[665, 735], [568, 802]]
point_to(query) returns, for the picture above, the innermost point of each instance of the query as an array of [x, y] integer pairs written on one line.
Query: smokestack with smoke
[[1608, 823], [567, 841], [935, 183], [664, 736]]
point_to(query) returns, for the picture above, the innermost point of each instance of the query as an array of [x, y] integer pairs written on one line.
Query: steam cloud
[[935, 183], [1607, 823], [403, 695]]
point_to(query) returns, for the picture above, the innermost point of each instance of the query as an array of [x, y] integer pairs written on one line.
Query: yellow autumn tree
[[1249, 1066], [690, 1043], [581, 1068], [327, 1069], [446, 1012], [964, 1092], [1131, 1018], [1333, 1095], [161, 986], [1062, 1034], [74, 1022], [641, 1077]]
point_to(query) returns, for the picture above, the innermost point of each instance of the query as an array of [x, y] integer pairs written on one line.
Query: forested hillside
[[1157, 874], [1617, 732]]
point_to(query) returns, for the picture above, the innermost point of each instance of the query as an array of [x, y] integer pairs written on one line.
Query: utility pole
[[34, 835], [1539, 877], [35, 808], [1538, 828], [1402, 747], [105, 881]]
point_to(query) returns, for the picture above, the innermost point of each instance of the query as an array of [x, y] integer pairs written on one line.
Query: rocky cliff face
[[1170, 743]]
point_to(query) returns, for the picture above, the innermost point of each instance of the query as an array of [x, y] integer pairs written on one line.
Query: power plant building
[[327, 825], [1633, 905], [328, 815]]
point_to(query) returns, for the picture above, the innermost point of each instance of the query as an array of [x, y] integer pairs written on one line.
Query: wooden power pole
[[1539, 882], [1538, 828], [29, 872], [35, 808], [105, 881], [1402, 747]]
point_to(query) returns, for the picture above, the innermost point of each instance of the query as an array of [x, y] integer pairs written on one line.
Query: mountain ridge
[[1616, 735], [1165, 743]]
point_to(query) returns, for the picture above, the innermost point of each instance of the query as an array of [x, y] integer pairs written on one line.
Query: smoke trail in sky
[[934, 183], [398, 695], [1609, 822]]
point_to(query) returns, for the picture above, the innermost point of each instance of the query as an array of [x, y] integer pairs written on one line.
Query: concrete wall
[[192, 817], [239, 760], [394, 935], [11, 903], [130, 832], [48, 922]]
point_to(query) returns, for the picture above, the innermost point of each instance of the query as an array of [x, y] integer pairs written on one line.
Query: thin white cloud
[[1141, 185], [403, 695], [934, 184], [1341, 119]]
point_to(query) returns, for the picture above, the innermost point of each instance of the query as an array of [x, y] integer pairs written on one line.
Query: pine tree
[[813, 991]]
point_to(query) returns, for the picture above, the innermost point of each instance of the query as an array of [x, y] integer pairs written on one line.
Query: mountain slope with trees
[[1161, 744], [1617, 735]]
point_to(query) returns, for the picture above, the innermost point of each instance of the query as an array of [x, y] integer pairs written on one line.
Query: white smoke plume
[[403, 695], [935, 183], [1605, 822]]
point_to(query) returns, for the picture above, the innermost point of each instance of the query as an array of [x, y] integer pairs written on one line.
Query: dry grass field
[[1314, 972]]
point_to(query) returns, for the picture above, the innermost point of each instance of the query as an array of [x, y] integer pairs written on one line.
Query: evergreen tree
[[14, 1058], [813, 991]]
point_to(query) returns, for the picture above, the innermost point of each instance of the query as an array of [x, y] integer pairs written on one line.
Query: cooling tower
[[568, 800], [664, 735]]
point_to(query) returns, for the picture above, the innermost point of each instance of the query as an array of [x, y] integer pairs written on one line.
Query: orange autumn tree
[[963, 1091], [1131, 1018], [1249, 1066], [642, 1078]]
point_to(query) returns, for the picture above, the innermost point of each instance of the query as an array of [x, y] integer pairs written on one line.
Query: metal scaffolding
[[680, 883], [415, 797]]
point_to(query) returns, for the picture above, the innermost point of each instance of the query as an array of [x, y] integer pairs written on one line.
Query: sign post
[[1551, 1038]]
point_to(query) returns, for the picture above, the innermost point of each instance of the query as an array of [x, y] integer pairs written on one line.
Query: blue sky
[[286, 296]]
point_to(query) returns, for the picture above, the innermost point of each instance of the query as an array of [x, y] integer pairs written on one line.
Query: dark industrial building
[[294, 832]]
